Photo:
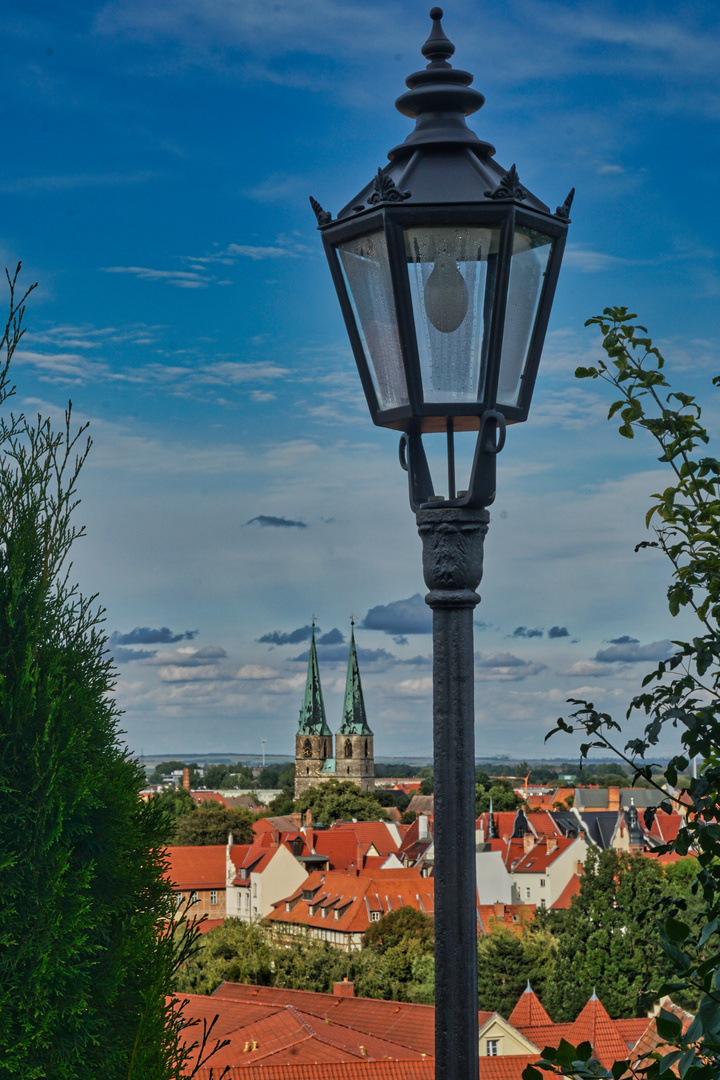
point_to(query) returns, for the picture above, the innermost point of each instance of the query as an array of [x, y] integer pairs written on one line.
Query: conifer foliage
[[85, 964]]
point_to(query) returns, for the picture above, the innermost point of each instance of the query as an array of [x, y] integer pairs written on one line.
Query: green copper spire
[[354, 720], [312, 713]]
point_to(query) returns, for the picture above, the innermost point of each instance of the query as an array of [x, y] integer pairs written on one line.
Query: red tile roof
[[410, 1026], [376, 833], [650, 1042], [209, 924], [541, 855], [489, 1068], [606, 1037], [207, 797], [571, 889], [359, 893], [550, 799], [665, 827], [513, 916], [197, 867], [529, 1012]]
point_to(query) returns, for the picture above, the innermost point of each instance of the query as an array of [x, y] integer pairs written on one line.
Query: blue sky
[[158, 157]]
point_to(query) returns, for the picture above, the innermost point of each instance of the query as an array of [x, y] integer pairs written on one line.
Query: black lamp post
[[445, 267]]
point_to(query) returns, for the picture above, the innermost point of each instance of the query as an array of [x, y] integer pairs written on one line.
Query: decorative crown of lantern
[[445, 267]]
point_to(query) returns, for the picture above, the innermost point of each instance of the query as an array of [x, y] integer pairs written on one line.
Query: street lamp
[[445, 267]]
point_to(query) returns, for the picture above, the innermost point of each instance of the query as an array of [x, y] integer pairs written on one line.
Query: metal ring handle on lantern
[[493, 431], [402, 451]]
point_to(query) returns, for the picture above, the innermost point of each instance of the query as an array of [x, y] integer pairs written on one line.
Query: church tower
[[354, 756], [313, 741]]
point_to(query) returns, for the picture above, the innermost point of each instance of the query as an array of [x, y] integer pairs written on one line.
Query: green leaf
[[669, 1026]]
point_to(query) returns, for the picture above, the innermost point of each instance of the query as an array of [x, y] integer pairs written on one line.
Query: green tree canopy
[[500, 791], [176, 802], [392, 928], [167, 767], [211, 823], [340, 800], [608, 940], [84, 963], [226, 776]]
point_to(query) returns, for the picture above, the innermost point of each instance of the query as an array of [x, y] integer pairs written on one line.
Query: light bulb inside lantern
[[446, 295]]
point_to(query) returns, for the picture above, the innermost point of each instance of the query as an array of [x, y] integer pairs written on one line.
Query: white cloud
[[183, 279], [414, 688], [588, 667], [257, 671]]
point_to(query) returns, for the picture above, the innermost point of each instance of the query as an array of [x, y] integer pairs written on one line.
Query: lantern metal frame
[[417, 414]]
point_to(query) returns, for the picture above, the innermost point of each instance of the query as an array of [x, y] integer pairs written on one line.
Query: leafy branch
[[682, 691]]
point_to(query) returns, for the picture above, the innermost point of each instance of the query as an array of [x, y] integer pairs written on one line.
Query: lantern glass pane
[[452, 270], [365, 266], [531, 251]]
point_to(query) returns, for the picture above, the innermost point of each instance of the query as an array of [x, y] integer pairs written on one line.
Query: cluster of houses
[[300, 879], [276, 1034]]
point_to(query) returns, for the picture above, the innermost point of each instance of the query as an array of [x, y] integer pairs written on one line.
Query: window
[[542, 901], [542, 882], [323, 912], [194, 898], [374, 916], [213, 896], [254, 888], [491, 1047], [311, 909], [527, 894]]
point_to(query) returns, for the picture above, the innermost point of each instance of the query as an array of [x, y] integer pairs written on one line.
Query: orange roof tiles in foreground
[[490, 1068], [411, 1026]]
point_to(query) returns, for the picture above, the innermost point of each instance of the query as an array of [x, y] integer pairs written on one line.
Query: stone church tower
[[354, 758], [313, 741]]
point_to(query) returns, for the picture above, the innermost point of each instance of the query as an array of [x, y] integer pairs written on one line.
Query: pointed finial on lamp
[[437, 49]]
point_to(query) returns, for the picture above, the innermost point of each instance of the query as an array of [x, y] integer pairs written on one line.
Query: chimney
[[308, 818], [359, 857], [423, 827], [344, 989], [186, 778], [528, 842], [480, 834], [551, 843], [499, 911], [296, 819], [614, 798]]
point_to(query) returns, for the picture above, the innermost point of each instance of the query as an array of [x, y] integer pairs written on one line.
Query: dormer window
[[311, 909], [323, 912], [374, 916]]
